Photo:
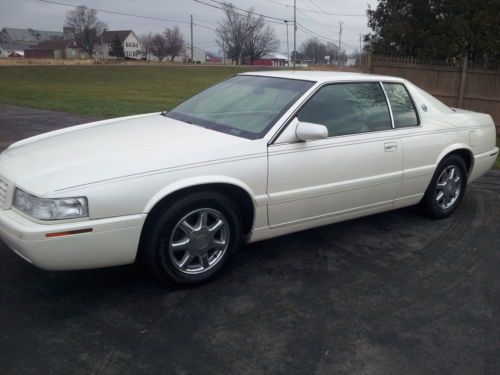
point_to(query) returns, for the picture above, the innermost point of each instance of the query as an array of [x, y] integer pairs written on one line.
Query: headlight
[[50, 209]]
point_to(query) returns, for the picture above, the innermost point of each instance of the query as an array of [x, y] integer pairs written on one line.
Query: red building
[[272, 59]]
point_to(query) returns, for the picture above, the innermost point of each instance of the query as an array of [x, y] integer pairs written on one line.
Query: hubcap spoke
[[451, 174], [179, 245], [186, 227], [218, 245], [203, 220], [448, 187], [439, 196], [204, 260], [216, 226], [185, 261]]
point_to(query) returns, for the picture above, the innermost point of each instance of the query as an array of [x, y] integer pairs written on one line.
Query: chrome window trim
[[415, 107], [388, 104]]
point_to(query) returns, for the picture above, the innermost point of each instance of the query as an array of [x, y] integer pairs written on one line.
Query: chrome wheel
[[448, 187], [199, 241]]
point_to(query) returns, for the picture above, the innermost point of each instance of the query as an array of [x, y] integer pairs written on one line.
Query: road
[[394, 293]]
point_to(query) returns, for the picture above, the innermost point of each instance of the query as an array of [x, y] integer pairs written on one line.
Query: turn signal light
[[68, 233]]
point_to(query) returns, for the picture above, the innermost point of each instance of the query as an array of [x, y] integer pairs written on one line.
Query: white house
[[15, 50], [199, 55], [131, 45]]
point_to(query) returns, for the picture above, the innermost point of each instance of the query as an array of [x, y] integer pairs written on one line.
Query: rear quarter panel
[[442, 131]]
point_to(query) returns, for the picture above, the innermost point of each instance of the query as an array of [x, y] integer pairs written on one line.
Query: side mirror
[[307, 131]]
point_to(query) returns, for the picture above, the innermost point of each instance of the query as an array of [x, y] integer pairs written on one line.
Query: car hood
[[111, 149]]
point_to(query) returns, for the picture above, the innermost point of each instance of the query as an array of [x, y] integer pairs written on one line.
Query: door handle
[[390, 146]]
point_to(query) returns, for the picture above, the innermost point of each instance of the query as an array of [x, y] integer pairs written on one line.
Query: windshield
[[245, 106]]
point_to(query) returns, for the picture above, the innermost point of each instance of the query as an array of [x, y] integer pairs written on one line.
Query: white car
[[257, 156]]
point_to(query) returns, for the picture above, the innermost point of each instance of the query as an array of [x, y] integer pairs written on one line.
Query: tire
[[446, 189], [184, 245]]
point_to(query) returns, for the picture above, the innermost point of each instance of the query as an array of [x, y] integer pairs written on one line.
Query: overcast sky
[[312, 15]]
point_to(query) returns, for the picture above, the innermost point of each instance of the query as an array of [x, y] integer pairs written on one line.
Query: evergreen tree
[[436, 29], [116, 49]]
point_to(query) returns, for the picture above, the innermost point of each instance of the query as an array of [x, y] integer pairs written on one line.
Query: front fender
[[197, 181]]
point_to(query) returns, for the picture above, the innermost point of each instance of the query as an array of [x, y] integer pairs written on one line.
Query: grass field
[[106, 91]]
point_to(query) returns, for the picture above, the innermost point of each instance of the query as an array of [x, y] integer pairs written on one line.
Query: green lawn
[[106, 91]]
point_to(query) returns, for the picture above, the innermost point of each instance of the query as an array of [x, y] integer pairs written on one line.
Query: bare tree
[[332, 50], [159, 46], [147, 44], [261, 41], [233, 31], [245, 36], [86, 26], [175, 42], [314, 50]]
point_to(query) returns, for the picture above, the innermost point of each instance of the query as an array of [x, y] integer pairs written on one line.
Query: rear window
[[403, 109]]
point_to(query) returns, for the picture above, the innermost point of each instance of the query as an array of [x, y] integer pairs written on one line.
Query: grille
[[3, 193]]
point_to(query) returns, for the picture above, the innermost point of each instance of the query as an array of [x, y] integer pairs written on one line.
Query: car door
[[421, 144], [358, 168]]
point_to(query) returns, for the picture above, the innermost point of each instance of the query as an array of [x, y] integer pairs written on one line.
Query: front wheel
[[447, 188], [191, 241]]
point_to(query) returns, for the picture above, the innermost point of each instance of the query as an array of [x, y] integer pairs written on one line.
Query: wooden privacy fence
[[458, 85]]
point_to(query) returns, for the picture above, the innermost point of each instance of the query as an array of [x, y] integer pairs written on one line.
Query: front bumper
[[112, 241]]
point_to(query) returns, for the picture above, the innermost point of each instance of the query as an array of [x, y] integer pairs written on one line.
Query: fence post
[[369, 62], [463, 80]]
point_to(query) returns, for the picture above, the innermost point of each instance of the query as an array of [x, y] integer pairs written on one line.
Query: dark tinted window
[[402, 106], [348, 108]]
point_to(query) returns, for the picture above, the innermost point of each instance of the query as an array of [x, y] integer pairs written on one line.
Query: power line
[[127, 14], [313, 34], [313, 3], [309, 32], [317, 23], [317, 11], [251, 12], [322, 12], [267, 18], [325, 13]]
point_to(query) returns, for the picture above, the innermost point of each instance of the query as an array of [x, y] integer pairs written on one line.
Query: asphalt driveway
[[394, 293]]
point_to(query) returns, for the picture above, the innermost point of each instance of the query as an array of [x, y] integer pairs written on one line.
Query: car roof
[[322, 76]]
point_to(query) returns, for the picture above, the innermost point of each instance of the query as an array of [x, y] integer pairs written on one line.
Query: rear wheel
[[193, 239], [447, 188]]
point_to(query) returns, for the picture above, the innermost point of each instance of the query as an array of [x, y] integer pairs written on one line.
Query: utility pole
[[360, 49], [287, 46], [223, 53], [340, 42], [294, 32], [192, 48]]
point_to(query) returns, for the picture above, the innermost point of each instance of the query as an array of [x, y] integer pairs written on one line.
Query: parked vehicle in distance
[[257, 156]]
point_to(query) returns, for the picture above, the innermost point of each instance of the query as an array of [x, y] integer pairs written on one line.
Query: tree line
[[88, 30], [436, 29], [449, 30], [243, 38]]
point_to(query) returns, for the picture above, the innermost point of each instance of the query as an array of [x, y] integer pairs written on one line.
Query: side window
[[348, 108], [403, 109]]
